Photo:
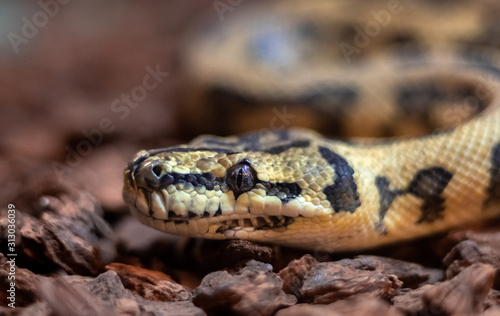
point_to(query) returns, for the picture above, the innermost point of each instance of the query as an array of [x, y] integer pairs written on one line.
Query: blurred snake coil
[[420, 78]]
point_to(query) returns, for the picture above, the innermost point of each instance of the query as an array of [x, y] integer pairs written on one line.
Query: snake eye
[[241, 178]]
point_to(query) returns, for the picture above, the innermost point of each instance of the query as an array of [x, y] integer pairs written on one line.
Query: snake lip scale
[[295, 187]]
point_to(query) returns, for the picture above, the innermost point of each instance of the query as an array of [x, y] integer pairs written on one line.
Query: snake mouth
[[149, 207], [227, 225], [256, 223]]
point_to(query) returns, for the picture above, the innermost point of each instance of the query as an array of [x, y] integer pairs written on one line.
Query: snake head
[[224, 189]]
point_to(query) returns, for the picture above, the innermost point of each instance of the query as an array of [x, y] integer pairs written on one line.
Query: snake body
[[294, 187]]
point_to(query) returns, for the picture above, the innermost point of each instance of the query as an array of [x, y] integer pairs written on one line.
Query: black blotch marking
[[290, 190], [494, 187], [192, 178], [282, 148], [166, 180], [427, 184], [207, 179], [387, 196], [343, 194]]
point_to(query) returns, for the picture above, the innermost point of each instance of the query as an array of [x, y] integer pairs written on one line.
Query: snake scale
[[424, 76]]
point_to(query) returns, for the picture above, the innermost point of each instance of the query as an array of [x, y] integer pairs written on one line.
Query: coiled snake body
[[293, 186]]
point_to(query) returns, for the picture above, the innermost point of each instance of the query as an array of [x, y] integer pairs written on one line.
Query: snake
[[425, 82]]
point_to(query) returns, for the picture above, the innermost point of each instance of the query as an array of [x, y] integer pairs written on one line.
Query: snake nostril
[[149, 175], [157, 170]]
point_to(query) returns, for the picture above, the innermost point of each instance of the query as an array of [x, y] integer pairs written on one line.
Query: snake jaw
[[230, 228], [149, 205]]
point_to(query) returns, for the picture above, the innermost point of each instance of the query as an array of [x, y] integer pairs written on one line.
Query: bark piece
[[462, 295], [411, 274], [254, 290], [293, 274], [58, 226], [473, 247], [151, 285], [328, 282]]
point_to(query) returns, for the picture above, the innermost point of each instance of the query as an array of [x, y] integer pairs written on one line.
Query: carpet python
[[427, 76]]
